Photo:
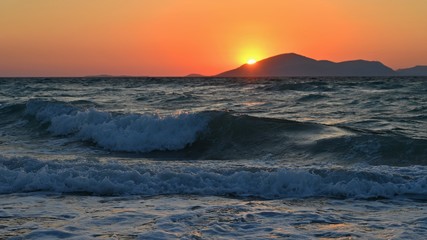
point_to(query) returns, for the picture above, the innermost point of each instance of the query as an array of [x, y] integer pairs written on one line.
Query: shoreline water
[[195, 216]]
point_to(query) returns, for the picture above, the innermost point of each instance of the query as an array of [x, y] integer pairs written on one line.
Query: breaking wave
[[117, 178], [215, 135], [130, 132]]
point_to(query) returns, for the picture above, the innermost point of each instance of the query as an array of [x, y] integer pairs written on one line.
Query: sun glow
[[251, 61]]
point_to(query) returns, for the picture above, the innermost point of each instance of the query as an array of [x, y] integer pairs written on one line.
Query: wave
[[300, 85], [92, 177], [218, 135], [10, 113], [312, 97], [214, 134], [130, 132], [376, 148]]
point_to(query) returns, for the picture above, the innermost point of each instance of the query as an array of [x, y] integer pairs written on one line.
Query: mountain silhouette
[[291, 64], [195, 75], [414, 71]]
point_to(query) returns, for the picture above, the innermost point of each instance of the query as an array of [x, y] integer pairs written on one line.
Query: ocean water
[[213, 158]]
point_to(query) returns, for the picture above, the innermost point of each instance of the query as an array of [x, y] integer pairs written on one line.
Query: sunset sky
[[178, 37]]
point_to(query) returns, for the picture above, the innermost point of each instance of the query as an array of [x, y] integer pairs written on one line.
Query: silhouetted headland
[[195, 75], [414, 71], [291, 64]]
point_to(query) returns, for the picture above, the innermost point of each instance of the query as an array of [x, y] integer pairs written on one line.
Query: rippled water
[[213, 158]]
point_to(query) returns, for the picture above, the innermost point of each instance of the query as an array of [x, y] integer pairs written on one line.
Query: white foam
[[131, 132], [116, 178]]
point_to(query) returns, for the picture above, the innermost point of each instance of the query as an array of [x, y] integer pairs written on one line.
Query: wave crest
[[222, 135], [130, 132], [116, 178]]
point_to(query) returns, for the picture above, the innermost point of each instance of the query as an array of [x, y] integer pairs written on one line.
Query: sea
[[213, 158]]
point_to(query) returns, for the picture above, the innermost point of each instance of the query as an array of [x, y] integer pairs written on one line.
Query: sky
[[179, 37]]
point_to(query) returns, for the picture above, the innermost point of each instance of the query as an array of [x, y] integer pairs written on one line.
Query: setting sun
[[242, 115], [251, 61]]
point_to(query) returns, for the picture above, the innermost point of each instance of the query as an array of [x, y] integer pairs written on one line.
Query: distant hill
[[109, 76], [291, 64], [100, 76], [112, 76], [414, 71], [195, 75]]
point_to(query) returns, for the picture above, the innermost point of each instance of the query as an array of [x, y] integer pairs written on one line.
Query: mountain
[[291, 64], [111, 76], [414, 71], [195, 75], [99, 76]]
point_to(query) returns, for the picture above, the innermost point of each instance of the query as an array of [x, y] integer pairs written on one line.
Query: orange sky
[[178, 37]]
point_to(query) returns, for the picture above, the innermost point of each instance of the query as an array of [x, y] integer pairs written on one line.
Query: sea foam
[[120, 178], [125, 132]]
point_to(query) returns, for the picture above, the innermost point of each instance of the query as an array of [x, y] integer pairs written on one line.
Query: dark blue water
[[191, 146]]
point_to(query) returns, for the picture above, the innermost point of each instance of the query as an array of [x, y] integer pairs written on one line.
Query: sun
[[251, 61]]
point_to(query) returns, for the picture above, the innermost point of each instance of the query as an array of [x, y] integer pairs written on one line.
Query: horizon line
[[103, 75]]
